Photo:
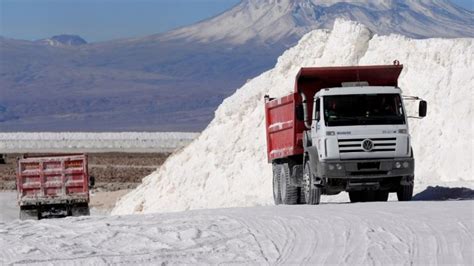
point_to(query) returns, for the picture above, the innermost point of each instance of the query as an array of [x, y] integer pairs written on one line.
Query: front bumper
[[370, 169]]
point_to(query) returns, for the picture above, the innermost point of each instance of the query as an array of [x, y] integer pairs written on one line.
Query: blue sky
[[99, 20]]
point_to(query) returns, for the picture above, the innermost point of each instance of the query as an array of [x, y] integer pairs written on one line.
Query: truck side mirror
[[317, 114], [422, 109], [299, 112]]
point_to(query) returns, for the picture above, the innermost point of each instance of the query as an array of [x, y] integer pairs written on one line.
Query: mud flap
[[80, 210], [29, 213]]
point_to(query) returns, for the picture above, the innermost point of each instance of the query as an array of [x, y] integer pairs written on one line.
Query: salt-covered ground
[[16, 142], [9, 209], [101, 203], [402, 233], [227, 166]]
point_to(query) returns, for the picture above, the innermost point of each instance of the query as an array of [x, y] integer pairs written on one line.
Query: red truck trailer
[[53, 186], [342, 129]]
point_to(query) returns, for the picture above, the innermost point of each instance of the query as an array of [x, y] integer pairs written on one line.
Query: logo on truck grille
[[367, 145]]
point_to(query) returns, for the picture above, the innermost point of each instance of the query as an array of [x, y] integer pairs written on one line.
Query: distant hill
[[64, 40], [174, 81]]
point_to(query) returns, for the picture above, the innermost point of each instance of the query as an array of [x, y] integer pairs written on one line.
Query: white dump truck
[[342, 129]]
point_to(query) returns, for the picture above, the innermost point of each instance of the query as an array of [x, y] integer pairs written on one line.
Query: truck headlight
[[398, 165], [406, 164], [339, 167], [331, 167]]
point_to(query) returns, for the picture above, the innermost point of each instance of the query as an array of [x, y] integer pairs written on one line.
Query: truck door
[[316, 127]]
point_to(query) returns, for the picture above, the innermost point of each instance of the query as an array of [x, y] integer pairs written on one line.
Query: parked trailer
[[342, 129], [53, 186]]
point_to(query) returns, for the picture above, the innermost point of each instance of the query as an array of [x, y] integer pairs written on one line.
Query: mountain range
[[174, 81], [64, 40]]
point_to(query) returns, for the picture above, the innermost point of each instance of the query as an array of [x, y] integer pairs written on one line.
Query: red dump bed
[[52, 179], [284, 131]]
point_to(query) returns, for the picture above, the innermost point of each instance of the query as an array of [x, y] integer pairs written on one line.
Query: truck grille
[[355, 145]]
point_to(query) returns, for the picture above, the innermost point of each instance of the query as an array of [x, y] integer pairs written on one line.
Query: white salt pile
[[226, 165]]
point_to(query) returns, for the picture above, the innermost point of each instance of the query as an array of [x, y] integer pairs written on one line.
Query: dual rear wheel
[[283, 191], [286, 193]]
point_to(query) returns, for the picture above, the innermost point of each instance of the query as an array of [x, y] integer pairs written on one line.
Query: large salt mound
[[226, 166]]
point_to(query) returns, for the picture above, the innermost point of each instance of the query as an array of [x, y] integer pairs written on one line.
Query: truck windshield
[[363, 109]]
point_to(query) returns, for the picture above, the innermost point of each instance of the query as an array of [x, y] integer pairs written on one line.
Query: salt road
[[419, 232]]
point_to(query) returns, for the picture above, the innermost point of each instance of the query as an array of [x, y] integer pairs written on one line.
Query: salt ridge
[[226, 165]]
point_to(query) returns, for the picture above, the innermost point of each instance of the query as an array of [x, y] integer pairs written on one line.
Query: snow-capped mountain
[[64, 40], [174, 81], [273, 21]]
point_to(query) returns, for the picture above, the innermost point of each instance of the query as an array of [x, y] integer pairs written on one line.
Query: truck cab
[[353, 133]]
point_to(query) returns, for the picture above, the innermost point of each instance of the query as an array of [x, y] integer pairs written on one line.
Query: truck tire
[[355, 196], [312, 194], [80, 210], [301, 196], [29, 213], [276, 183], [289, 193], [405, 192]]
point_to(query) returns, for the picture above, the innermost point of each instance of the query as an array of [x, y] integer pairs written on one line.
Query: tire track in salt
[[365, 233]]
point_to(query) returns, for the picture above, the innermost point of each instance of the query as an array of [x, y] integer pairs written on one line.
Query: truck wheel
[[80, 210], [289, 193], [29, 213], [312, 194], [355, 196], [301, 196], [405, 193], [276, 184]]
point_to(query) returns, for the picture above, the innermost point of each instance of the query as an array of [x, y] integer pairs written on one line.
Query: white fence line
[[94, 142]]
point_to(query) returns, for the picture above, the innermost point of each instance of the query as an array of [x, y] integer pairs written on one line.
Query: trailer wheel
[[80, 210], [289, 193], [312, 193], [276, 184], [29, 213], [405, 192]]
